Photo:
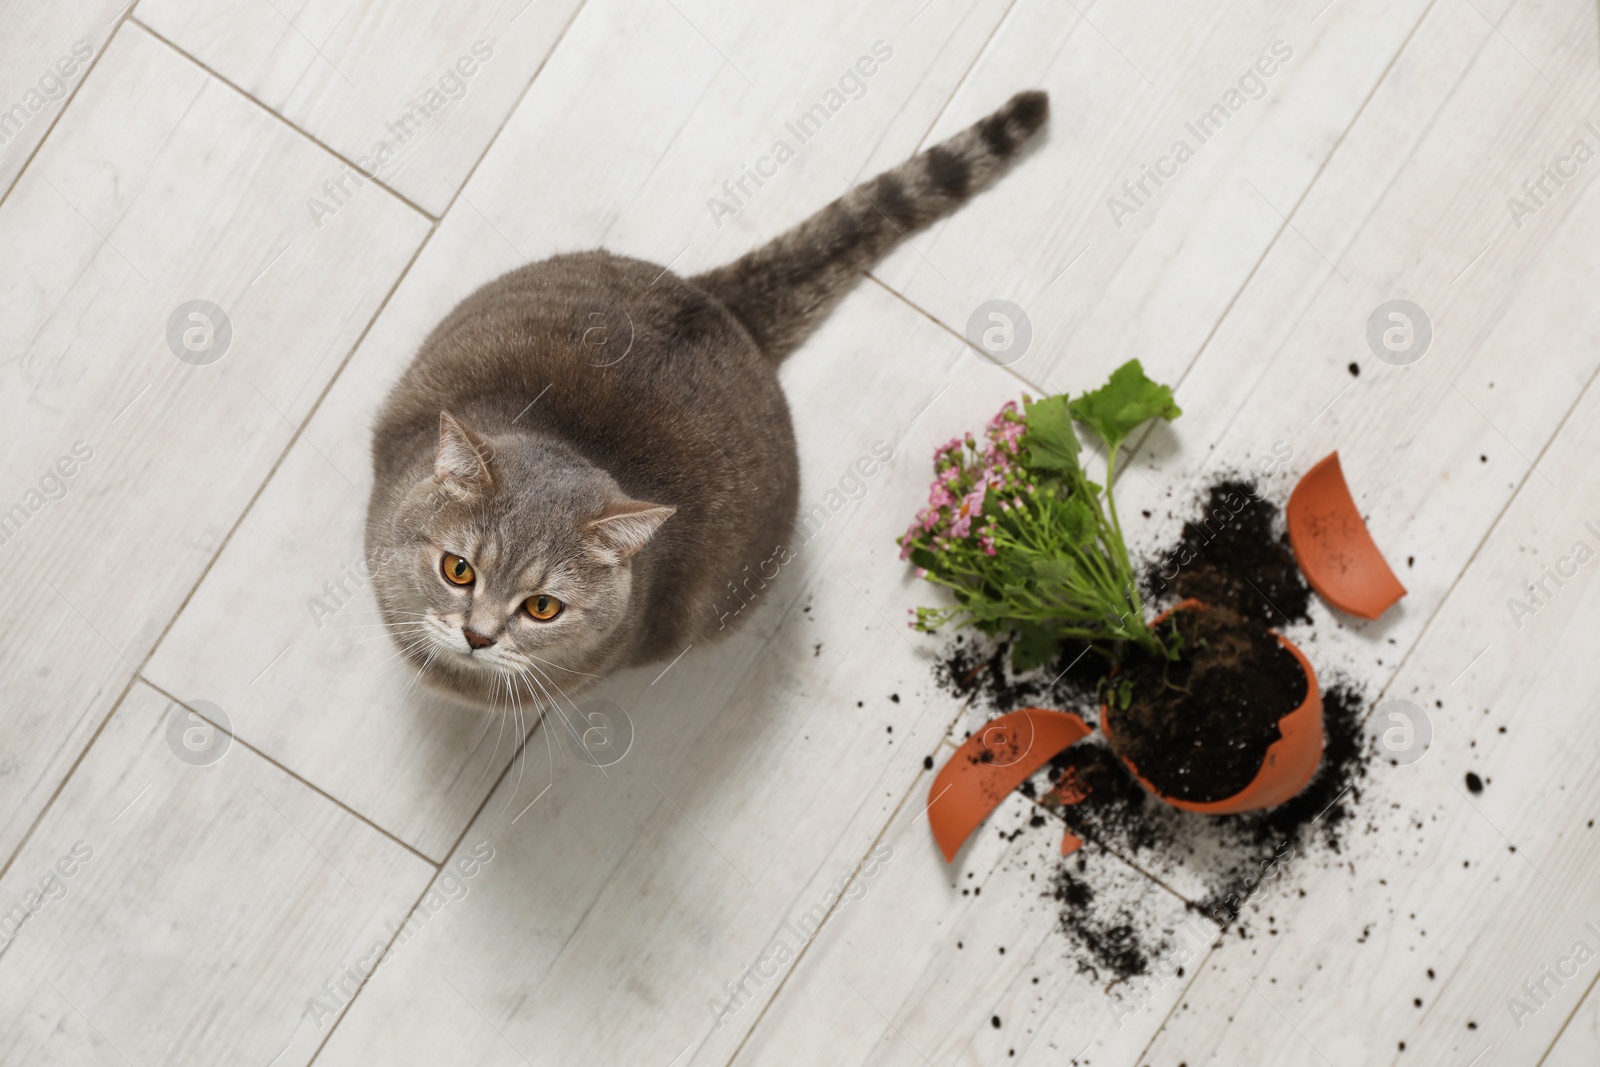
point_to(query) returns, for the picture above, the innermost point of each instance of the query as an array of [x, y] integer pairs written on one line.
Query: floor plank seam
[[511, 111], [465, 829], [228, 537], [66, 103], [966, 75], [794, 966], [1310, 185], [318, 790], [931, 317], [94, 736], [361, 986], [281, 120]]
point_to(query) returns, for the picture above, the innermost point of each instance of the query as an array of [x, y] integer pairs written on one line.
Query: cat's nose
[[475, 639]]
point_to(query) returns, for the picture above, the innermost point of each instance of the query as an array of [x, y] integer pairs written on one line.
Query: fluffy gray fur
[[596, 429]]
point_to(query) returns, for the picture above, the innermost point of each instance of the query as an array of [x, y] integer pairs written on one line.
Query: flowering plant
[[1021, 536]]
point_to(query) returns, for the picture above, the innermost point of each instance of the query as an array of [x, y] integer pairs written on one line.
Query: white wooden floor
[[228, 907]]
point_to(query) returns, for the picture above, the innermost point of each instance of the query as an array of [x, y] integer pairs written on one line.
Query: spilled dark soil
[[1234, 555]]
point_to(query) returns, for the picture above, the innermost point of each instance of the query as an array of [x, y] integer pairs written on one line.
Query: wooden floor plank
[[919, 971], [208, 901], [45, 55], [1433, 450], [409, 94], [1152, 277], [1484, 889], [1579, 1044], [121, 457]]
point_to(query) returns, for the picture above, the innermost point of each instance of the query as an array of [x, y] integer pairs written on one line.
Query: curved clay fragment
[[990, 764], [1334, 549]]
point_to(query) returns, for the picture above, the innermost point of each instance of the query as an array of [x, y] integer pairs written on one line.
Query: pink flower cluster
[[968, 478]]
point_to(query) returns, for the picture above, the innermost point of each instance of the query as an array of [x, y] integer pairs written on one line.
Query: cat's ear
[[460, 462], [627, 526]]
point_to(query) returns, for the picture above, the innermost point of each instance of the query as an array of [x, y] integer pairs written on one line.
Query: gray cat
[[590, 451]]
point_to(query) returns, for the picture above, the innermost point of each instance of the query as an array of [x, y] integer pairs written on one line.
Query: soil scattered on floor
[[1236, 556], [1109, 932]]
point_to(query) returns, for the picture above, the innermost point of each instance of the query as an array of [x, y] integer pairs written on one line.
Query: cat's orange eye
[[456, 570], [543, 607]]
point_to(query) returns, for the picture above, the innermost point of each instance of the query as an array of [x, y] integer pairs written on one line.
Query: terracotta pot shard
[[990, 764], [1333, 546]]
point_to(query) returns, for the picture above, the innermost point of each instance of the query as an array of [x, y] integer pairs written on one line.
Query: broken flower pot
[[1234, 725]]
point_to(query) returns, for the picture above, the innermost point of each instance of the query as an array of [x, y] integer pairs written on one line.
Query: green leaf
[[1120, 406], [1077, 522], [1035, 646], [1051, 441], [1053, 570]]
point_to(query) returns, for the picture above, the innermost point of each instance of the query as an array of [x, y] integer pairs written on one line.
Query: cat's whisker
[[522, 741], [381, 611], [376, 637], [406, 645], [569, 670], [557, 686], [420, 620], [550, 703], [373, 637], [500, 714], [496, 752], [404, 653], [523, 730], [481, 736], [576, 737], [535, 677], [384, 612], [417, 677], [524, 675], [401, 625]]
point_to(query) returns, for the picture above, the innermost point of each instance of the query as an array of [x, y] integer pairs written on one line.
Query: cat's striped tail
[[783, 290]]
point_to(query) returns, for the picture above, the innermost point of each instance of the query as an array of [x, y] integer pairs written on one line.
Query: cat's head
[[513, 560]]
